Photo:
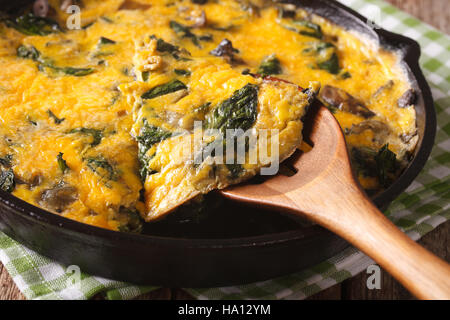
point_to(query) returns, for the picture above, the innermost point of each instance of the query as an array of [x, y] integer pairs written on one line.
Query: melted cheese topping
[[81, 100]]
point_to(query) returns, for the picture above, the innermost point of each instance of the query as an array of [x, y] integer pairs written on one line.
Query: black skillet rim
[[411, 51]]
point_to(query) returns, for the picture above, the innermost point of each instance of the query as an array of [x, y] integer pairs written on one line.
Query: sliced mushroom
[[59, 197], [31, 181], [380, 129], [406, 138], [131, 5], [410, 140], [36, 181], [407, 99], [286, 10], [344, 101], [40, 8], [225, 49]]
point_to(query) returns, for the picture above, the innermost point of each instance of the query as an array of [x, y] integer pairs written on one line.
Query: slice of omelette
[[184, 125]]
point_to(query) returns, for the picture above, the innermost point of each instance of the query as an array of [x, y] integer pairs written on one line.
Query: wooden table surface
[[434, 12]]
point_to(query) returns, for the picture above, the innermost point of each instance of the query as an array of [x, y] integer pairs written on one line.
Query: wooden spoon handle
[[424, 274], [358, 221]]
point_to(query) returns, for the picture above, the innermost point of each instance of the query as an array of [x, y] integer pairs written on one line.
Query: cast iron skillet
[[236, 245]]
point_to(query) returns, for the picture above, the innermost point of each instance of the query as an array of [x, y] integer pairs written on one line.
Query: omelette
[[107, 123]]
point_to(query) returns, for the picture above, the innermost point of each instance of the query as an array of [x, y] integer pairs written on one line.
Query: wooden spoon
[[325, 190]]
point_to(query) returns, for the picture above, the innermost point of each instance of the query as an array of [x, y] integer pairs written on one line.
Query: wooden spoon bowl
[[325, 190]]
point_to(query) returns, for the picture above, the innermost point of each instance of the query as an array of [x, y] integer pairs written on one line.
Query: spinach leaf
[[180, 29], [364, 161], [7, 180], [331, 65], [184, 32], [206, 37], [163, 46], [145, 75], [106, 19], [34, 54], [61, 162], [182, 72], [345, 75], [97, 135], [246, 71], [203, 109], [55, 118], [327, 58], [102, 167], [30, 24], [386, 164], [270, 65], [104, 41], [28, 53], [372, 163], [307, 28], [6, 160], [318, 47], [77, 72], [134, 222], [115, 98], [163, 89], [222, 28], [237, 112], [86, 26], [148, 136], [175, 51]]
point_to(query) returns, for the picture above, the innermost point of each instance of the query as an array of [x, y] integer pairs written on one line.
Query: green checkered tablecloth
[[423, 207]]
